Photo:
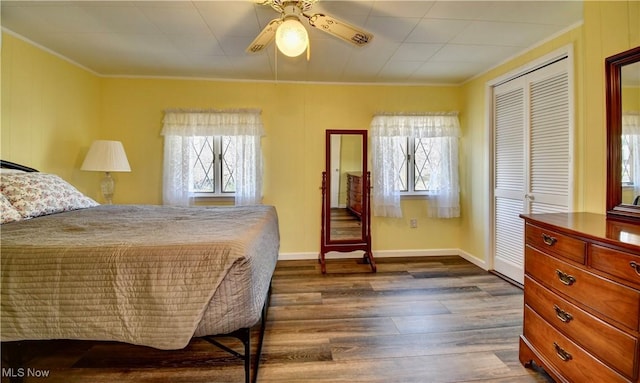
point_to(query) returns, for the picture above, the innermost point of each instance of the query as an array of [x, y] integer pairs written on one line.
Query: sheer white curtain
[[179, 129], [388, 133], [631, 128]]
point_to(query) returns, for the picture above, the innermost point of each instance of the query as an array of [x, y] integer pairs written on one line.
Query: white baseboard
[[481, 263], [388, 254]]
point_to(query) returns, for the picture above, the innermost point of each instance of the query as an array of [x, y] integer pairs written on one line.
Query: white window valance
[[212, 122], [416, 125], [179, 129], [631, 123], [388, 132]]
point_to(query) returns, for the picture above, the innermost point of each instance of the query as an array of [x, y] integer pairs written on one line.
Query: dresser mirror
[[623, 135], [345, 195]]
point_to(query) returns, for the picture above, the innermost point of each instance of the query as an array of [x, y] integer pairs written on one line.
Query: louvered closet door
[[509, 177], [550, 147], [532, 162]]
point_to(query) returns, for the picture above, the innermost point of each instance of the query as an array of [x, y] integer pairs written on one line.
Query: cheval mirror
[[346, 214], [623, 135]]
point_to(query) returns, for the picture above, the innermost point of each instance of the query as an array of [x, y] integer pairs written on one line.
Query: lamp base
[[107, 185]]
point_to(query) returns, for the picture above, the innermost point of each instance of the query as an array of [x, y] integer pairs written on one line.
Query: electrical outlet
[[413, 223]]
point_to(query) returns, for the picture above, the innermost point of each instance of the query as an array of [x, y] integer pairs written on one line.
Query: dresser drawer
[[611, 299], [617, 263], [355, 183], [576, 364], [614, 347], [355, 198], [555, 243]]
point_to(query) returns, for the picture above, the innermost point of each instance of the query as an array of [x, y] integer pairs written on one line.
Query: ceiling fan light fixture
[[291, 37]]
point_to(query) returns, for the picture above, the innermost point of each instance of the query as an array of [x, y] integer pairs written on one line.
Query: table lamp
[[106, 156]]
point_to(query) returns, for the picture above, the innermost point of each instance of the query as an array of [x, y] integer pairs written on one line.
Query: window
[[627, 161], [415, 155], [419, 160], [631, 151], [214, 153], [213, 165]]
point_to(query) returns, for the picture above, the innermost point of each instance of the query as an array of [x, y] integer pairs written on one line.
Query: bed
[[148, 275]]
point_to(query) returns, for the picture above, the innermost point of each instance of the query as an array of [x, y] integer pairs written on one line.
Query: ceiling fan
[[291, 36]]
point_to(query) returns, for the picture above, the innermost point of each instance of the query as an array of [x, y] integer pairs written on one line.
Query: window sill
[[416, 196], [203, 198]]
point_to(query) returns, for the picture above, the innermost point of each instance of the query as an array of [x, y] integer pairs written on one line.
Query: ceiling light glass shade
[[292, 38]]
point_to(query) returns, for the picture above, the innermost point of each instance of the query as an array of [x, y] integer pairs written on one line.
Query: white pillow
[[7, 212], [36, 194]]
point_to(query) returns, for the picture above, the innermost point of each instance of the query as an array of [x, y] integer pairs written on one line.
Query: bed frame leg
[[244, 335], [247, 357], [263, 326]]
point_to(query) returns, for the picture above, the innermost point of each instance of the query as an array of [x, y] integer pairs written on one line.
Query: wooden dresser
[[582, 297], [354, 193]]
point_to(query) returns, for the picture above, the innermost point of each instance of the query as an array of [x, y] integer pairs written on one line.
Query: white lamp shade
[[106, 156], [292, 38]]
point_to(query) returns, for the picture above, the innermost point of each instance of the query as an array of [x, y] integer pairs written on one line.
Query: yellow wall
[[50, 111], [48, 103], [631, 98], [295, 118]]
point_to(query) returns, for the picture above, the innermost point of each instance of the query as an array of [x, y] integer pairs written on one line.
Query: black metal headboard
[[12, 165]]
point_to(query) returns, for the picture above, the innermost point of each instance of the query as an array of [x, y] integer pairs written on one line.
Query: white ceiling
[[415, 42]]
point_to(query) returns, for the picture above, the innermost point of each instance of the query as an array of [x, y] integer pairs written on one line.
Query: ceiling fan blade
[[340, 29], [280, 5], [265, 37]]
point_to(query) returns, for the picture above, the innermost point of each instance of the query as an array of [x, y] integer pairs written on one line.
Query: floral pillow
[[11, 171], [7, 212], [36, 194]]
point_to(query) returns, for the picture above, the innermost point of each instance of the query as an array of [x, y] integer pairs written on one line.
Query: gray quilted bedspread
[[148, 275]]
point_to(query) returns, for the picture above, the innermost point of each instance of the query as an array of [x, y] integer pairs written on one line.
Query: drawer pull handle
[[549, 240], [562, 354], [636, 266], [562, 315], [565, 278]]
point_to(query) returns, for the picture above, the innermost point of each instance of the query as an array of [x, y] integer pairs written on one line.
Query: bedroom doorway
[[532, 131], [336, 143]]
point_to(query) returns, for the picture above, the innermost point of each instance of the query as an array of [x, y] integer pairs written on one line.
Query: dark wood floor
[[436, 319], [344, 225]]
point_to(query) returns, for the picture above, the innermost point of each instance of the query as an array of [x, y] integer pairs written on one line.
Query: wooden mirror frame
[[362, 134], [363, 243], [613, 70]]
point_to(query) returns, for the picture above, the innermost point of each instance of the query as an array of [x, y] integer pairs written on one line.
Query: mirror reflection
[[346, 217], [630, 154], [345, 189]]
